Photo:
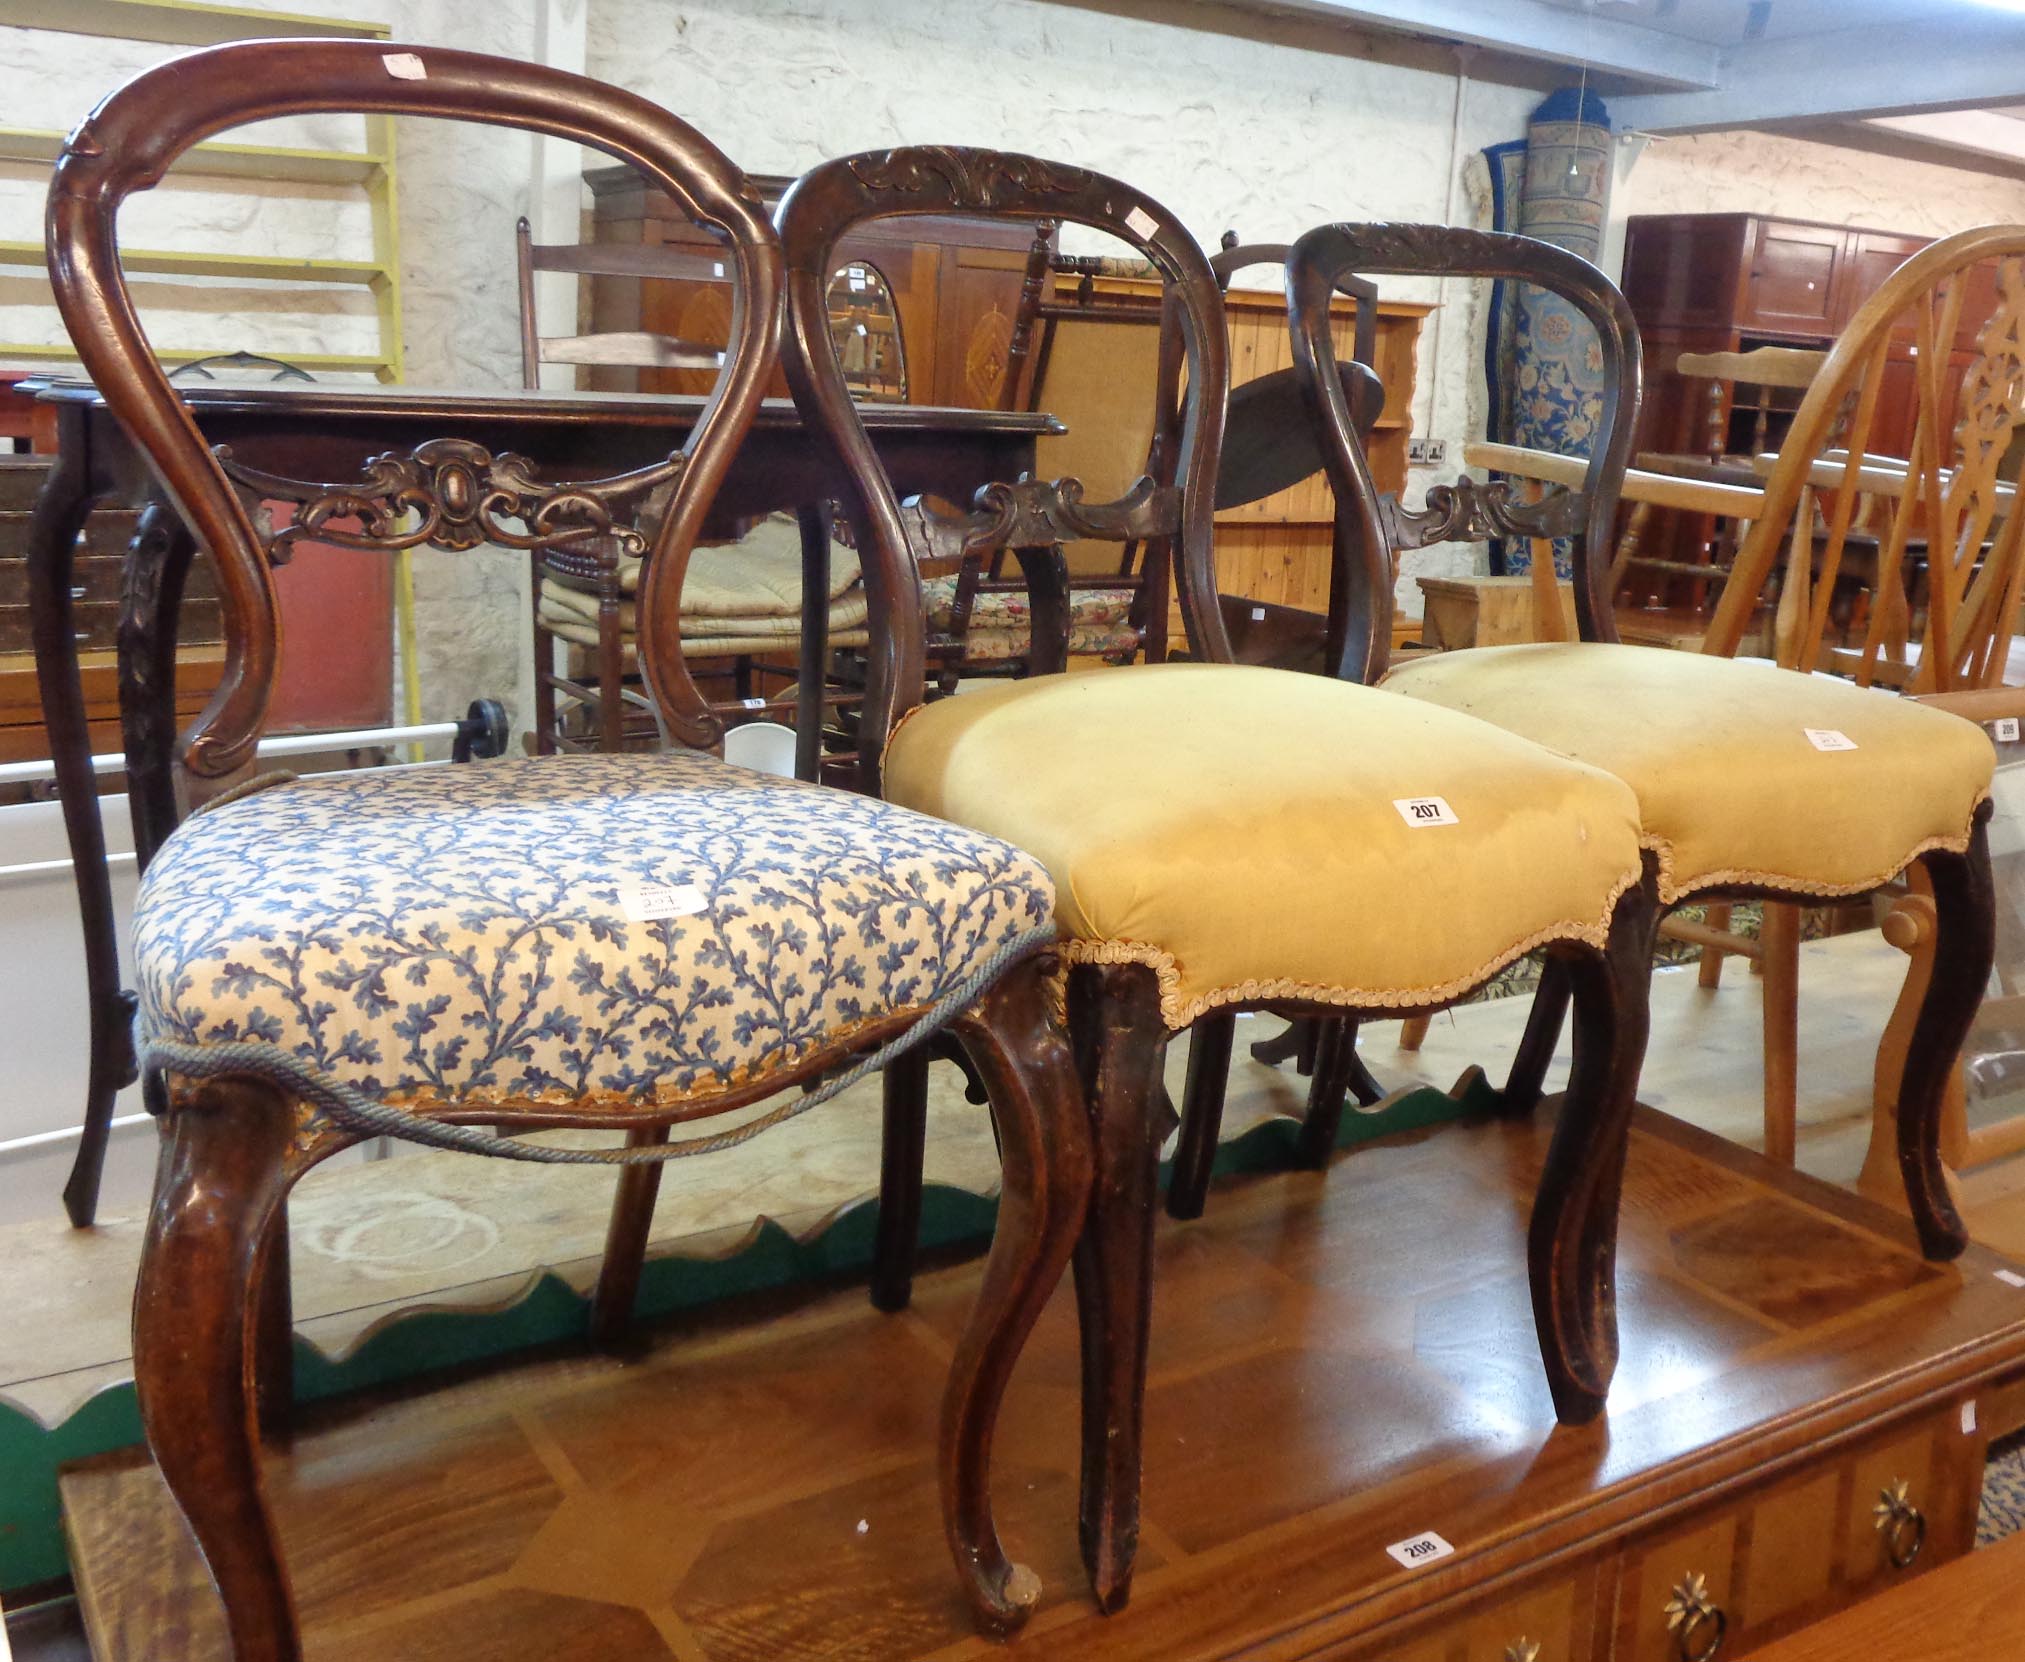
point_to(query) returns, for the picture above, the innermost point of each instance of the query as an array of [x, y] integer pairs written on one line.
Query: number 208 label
[[1424, 810], [1419, 1549]]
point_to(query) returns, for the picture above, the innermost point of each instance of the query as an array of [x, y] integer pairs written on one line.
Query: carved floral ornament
[[1040, 513], [456, 495], [1472, 511], [1993, 389], [970, 178]]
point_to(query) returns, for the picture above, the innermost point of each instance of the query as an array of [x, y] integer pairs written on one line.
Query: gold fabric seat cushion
[[1731, 789], [1239, 829]]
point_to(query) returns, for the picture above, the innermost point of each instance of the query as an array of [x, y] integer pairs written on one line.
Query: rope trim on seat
[[358, 1112], [1671, 892], [1179, 1013]]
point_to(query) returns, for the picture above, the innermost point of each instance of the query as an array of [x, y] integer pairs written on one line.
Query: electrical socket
[[1426, 452]]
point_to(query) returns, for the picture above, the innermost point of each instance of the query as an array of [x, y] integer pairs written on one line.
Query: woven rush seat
[[461, 935]]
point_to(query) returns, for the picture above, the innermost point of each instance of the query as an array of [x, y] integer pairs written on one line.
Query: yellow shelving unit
[[196, 23]]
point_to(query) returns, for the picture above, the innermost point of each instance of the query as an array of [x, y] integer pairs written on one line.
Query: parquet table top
[[1339, 1362]]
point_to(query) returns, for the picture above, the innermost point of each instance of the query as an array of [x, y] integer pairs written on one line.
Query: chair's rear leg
[[1779, 943], [618, 1288], [1965, 945], [903, 1149], [1209, 1048], [218, 1190], [1536, 1045], [1328, 1085], [1045, 1150]]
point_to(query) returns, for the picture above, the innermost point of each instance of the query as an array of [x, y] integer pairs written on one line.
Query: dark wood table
[[481, 465]]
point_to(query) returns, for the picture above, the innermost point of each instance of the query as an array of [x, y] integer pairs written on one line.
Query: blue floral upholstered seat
[[467, 935]]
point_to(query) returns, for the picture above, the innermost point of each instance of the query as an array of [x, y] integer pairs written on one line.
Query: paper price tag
[[1828, 738], [753, 703], [2011, 1278], [1416, 1550], [1969, 1418], [404, 66], [2005, 728], [1258, 614], [1142, 222], [648, 902], [1425, 810]]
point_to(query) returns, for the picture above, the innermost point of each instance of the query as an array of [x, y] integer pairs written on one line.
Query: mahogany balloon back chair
[[1753, 782], [312, 953], [1202, 859]]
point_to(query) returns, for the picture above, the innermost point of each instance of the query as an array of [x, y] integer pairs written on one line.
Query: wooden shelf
[[329, 362], [171, 263], [177, 22], [232, 161]]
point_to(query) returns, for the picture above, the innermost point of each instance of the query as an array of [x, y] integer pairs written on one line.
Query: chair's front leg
[[219, 1188], [1572, 1244], [1965, 947], [1116, 1027], [1044, 1151]]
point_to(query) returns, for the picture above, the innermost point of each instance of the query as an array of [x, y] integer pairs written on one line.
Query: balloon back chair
[[1225, 835], [1753, 782], [412, 951]]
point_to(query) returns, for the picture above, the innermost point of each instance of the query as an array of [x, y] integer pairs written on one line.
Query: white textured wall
[[1793, 178], [1268, 137]]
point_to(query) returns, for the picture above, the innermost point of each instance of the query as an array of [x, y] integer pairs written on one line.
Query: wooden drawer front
[[1801, 1547], [97, 577], [1550, 1622], [97, 625], [1697, 1561], [107, 532], [1793, 278]]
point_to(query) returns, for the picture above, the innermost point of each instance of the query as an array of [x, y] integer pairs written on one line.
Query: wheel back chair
[[1202, 859], [413, 952], [1752, 781], [744, 600]]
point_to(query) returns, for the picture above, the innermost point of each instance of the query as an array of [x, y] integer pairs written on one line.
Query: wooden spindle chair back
[[1955, 491]]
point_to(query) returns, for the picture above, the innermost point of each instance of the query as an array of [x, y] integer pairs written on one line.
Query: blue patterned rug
[[2003, 1509]]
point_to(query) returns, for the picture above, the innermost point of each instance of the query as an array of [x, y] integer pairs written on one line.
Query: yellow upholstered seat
[[1731, 788], [1239, 829]]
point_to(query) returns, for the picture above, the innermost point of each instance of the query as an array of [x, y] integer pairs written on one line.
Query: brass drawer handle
[[1695, 1620], [1902, 1524]]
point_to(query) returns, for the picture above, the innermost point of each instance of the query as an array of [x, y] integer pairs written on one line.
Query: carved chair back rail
[[1466, 510], [1029, 517]]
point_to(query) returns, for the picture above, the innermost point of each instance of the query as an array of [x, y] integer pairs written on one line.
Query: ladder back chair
[[1753, 782], [746, 603], [322, 960], [1202, 861]]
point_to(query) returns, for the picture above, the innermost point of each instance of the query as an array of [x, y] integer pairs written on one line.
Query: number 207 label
[[1424, 810]]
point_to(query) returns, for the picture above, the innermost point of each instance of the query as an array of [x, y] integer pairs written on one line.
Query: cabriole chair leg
[[218, 1193], [1116, 1029], [1965, 945], [1572, 1242], [1045, 1153]]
